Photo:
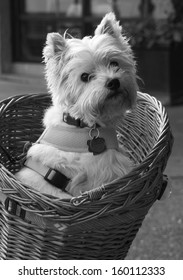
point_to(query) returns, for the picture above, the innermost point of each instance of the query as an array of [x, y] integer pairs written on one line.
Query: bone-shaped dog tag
[[97, 145]]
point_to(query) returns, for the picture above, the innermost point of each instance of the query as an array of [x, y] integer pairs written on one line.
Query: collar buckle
[[72, 121]]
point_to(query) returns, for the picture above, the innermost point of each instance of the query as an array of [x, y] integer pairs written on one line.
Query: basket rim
[[102, 193]]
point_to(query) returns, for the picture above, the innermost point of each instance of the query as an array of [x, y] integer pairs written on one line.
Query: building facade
[[24, 25]]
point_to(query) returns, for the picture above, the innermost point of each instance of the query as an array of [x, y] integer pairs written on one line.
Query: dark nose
[[113, 84]]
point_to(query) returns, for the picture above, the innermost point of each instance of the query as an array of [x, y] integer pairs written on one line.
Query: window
[[33, 19]]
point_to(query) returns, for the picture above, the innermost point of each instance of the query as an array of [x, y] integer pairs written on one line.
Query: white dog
[[93, 84]]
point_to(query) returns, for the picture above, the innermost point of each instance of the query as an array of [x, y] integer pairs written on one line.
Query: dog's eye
[[85, 77], [114, 64]]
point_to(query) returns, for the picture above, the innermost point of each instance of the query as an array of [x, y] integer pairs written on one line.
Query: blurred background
[[156, 31], [154, 26]]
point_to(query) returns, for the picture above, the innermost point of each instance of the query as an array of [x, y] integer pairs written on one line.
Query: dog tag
[[96, 145]]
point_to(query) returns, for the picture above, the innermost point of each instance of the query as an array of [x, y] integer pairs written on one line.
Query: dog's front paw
[[78, 184]]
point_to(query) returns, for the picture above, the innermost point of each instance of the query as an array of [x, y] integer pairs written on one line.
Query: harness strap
[[52, 176], [15, 208], [74, 139]]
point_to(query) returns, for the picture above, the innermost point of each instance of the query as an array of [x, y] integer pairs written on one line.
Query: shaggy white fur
[[93, 79]]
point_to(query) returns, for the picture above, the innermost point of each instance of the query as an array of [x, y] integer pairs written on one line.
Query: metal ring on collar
[[93, 130]]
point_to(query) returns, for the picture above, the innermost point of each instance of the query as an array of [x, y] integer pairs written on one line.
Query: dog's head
[[93, 79]]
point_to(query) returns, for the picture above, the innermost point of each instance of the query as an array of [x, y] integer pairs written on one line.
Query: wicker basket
[[101, 224]]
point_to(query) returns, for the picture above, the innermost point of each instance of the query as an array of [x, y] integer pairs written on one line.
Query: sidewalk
[[160, 236]]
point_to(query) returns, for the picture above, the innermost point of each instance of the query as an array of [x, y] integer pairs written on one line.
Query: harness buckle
[[57, 179], [14, 208]]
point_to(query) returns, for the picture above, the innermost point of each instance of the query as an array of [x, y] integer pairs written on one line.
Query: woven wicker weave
[[100, 224]]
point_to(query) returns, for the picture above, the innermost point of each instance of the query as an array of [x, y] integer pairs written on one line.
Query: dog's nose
[[113, 84]]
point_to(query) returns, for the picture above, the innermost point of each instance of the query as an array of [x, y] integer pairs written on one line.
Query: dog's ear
[[55, 44], [109, 25]]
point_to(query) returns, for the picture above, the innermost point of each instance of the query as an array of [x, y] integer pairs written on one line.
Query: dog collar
[[80, 140], [76, 122], [72, 121]]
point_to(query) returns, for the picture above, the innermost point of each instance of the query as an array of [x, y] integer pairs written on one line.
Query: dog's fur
[[91, 101]]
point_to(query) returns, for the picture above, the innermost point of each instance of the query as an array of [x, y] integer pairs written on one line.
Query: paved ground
[[161, 235]]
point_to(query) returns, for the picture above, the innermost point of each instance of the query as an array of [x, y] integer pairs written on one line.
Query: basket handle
[[166, 188]]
